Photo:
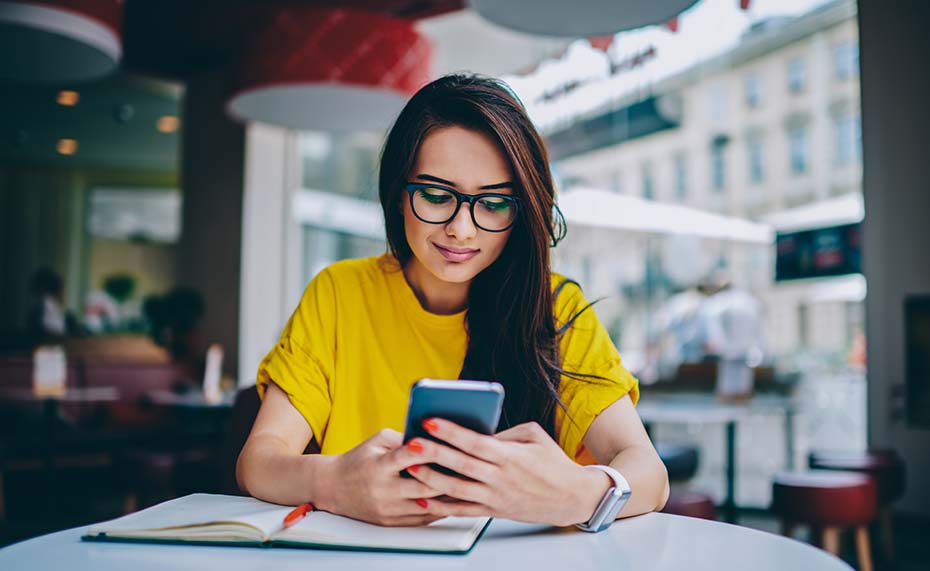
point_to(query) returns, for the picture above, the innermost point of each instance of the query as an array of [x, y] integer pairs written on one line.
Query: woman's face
[[465, 160]]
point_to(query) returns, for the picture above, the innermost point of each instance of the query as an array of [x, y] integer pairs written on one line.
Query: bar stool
[[681, 462], [885, 465], [831, 501]]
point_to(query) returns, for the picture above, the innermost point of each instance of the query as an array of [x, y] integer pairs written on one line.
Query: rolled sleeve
[[302, 361]]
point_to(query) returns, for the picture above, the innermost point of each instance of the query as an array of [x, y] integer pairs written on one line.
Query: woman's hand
[[365, 484], [519, 474]]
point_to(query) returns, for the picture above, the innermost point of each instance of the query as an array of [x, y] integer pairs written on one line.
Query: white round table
[[652, 542]]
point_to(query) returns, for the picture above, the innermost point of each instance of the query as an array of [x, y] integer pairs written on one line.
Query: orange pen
[[297, 514]]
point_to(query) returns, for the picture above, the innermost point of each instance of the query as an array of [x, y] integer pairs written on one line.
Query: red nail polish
[[422, 503], [430, 425], [413, 469], [415, 446]]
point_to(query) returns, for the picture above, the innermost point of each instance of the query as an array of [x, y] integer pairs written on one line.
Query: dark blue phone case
[[475, 409]]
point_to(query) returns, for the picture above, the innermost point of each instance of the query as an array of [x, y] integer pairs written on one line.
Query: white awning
[[605, 209], [846, 209]]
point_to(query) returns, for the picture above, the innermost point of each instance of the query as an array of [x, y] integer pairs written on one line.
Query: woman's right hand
[[365, 483]]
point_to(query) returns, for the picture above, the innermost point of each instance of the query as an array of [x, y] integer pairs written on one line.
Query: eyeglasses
[[436, 204]]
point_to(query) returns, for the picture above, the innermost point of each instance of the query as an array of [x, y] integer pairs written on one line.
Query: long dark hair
[[512, 332]]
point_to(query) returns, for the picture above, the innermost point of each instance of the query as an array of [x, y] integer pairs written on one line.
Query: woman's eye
[[495, 204], [434, 196]]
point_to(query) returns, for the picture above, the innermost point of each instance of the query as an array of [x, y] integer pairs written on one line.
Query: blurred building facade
[[768, 126]]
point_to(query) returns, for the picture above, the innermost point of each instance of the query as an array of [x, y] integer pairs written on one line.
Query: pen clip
[[297, 514]]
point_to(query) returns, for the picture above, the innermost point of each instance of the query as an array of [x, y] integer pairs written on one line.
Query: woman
[[466, 292]]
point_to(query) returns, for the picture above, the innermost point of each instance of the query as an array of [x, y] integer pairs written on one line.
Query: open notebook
[[234, 520]]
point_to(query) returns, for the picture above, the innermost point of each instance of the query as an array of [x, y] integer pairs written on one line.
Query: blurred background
[[173, 173]]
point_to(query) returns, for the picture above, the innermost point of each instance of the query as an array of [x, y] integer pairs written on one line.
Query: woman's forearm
[[648, 479], [267, 470]]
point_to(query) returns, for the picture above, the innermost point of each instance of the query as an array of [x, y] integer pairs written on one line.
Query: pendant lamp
[[59, 41], [578, 18], [329, 69]]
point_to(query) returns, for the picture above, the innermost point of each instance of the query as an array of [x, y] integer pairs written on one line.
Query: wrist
[[591, 487], [319, 472]]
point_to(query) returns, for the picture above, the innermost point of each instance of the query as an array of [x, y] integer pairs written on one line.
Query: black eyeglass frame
[[412, 187]]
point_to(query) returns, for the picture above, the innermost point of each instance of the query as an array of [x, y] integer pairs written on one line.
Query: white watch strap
[[620, 483], [612, 502]]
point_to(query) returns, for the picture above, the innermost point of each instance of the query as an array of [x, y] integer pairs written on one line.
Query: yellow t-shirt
[[360, 339]]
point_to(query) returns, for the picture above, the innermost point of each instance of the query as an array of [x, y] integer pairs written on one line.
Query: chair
[[681, 461], [885, 465], [830, 501]]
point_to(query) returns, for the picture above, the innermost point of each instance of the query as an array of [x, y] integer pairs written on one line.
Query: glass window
[[796, 78], [753, 91], [846, 59], [848, 139], [754, 150], [648, 183], [718, 166], [681, 178], [797, 149]]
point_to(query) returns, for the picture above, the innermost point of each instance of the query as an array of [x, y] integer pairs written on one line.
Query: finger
[[526, 432], [460, 509], [452, 486], [454, 459], [411, 489], [406, 455], [481, 446]]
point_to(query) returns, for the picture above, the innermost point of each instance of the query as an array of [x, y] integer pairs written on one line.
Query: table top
[[699, 407], [193, 399], [653, 541], [91, 394]]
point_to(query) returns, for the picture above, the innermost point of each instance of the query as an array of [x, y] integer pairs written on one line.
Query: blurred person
[[733, 320], [465, 292], [680, 334], [47, 320]]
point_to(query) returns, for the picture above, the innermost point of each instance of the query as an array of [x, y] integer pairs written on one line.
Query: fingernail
[[430, 425], [422, 503], [413, 468], [415, 446]]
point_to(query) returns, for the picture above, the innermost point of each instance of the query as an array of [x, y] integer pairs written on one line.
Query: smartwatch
[[611, 504]]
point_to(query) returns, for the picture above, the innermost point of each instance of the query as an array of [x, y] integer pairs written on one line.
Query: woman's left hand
[[519, 474]]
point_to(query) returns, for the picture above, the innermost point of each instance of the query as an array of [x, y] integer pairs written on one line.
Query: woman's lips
[[454, 254]]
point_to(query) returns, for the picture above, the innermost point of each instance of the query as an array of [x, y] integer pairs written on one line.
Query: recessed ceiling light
[[68, 98], [168, 124], [67, 146]]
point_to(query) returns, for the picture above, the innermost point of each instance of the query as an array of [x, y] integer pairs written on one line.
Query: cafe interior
[[173, 173]]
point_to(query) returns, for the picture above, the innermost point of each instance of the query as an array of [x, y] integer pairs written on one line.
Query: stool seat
[[885, 465], [691, 504], [681, 460], [825, 498]]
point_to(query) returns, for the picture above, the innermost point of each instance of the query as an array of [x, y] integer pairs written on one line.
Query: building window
[[846, 59], [754, 150], [753, 91], [848, 139], [616, 181], [797, 150], [648, 183], [796, 77], [681, 178], [718, 165]]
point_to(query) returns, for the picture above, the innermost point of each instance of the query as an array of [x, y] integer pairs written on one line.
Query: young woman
[[465, 292]]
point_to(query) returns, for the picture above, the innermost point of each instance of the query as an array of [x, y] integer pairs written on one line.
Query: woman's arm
[[364, 483], [617, 438], [271, 465], [522, 474]]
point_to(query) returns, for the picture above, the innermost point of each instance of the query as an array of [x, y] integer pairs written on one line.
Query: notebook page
[[198, 510], [449, 534]]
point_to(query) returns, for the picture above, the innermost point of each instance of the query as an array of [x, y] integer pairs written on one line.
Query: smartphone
[[475, 405]]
